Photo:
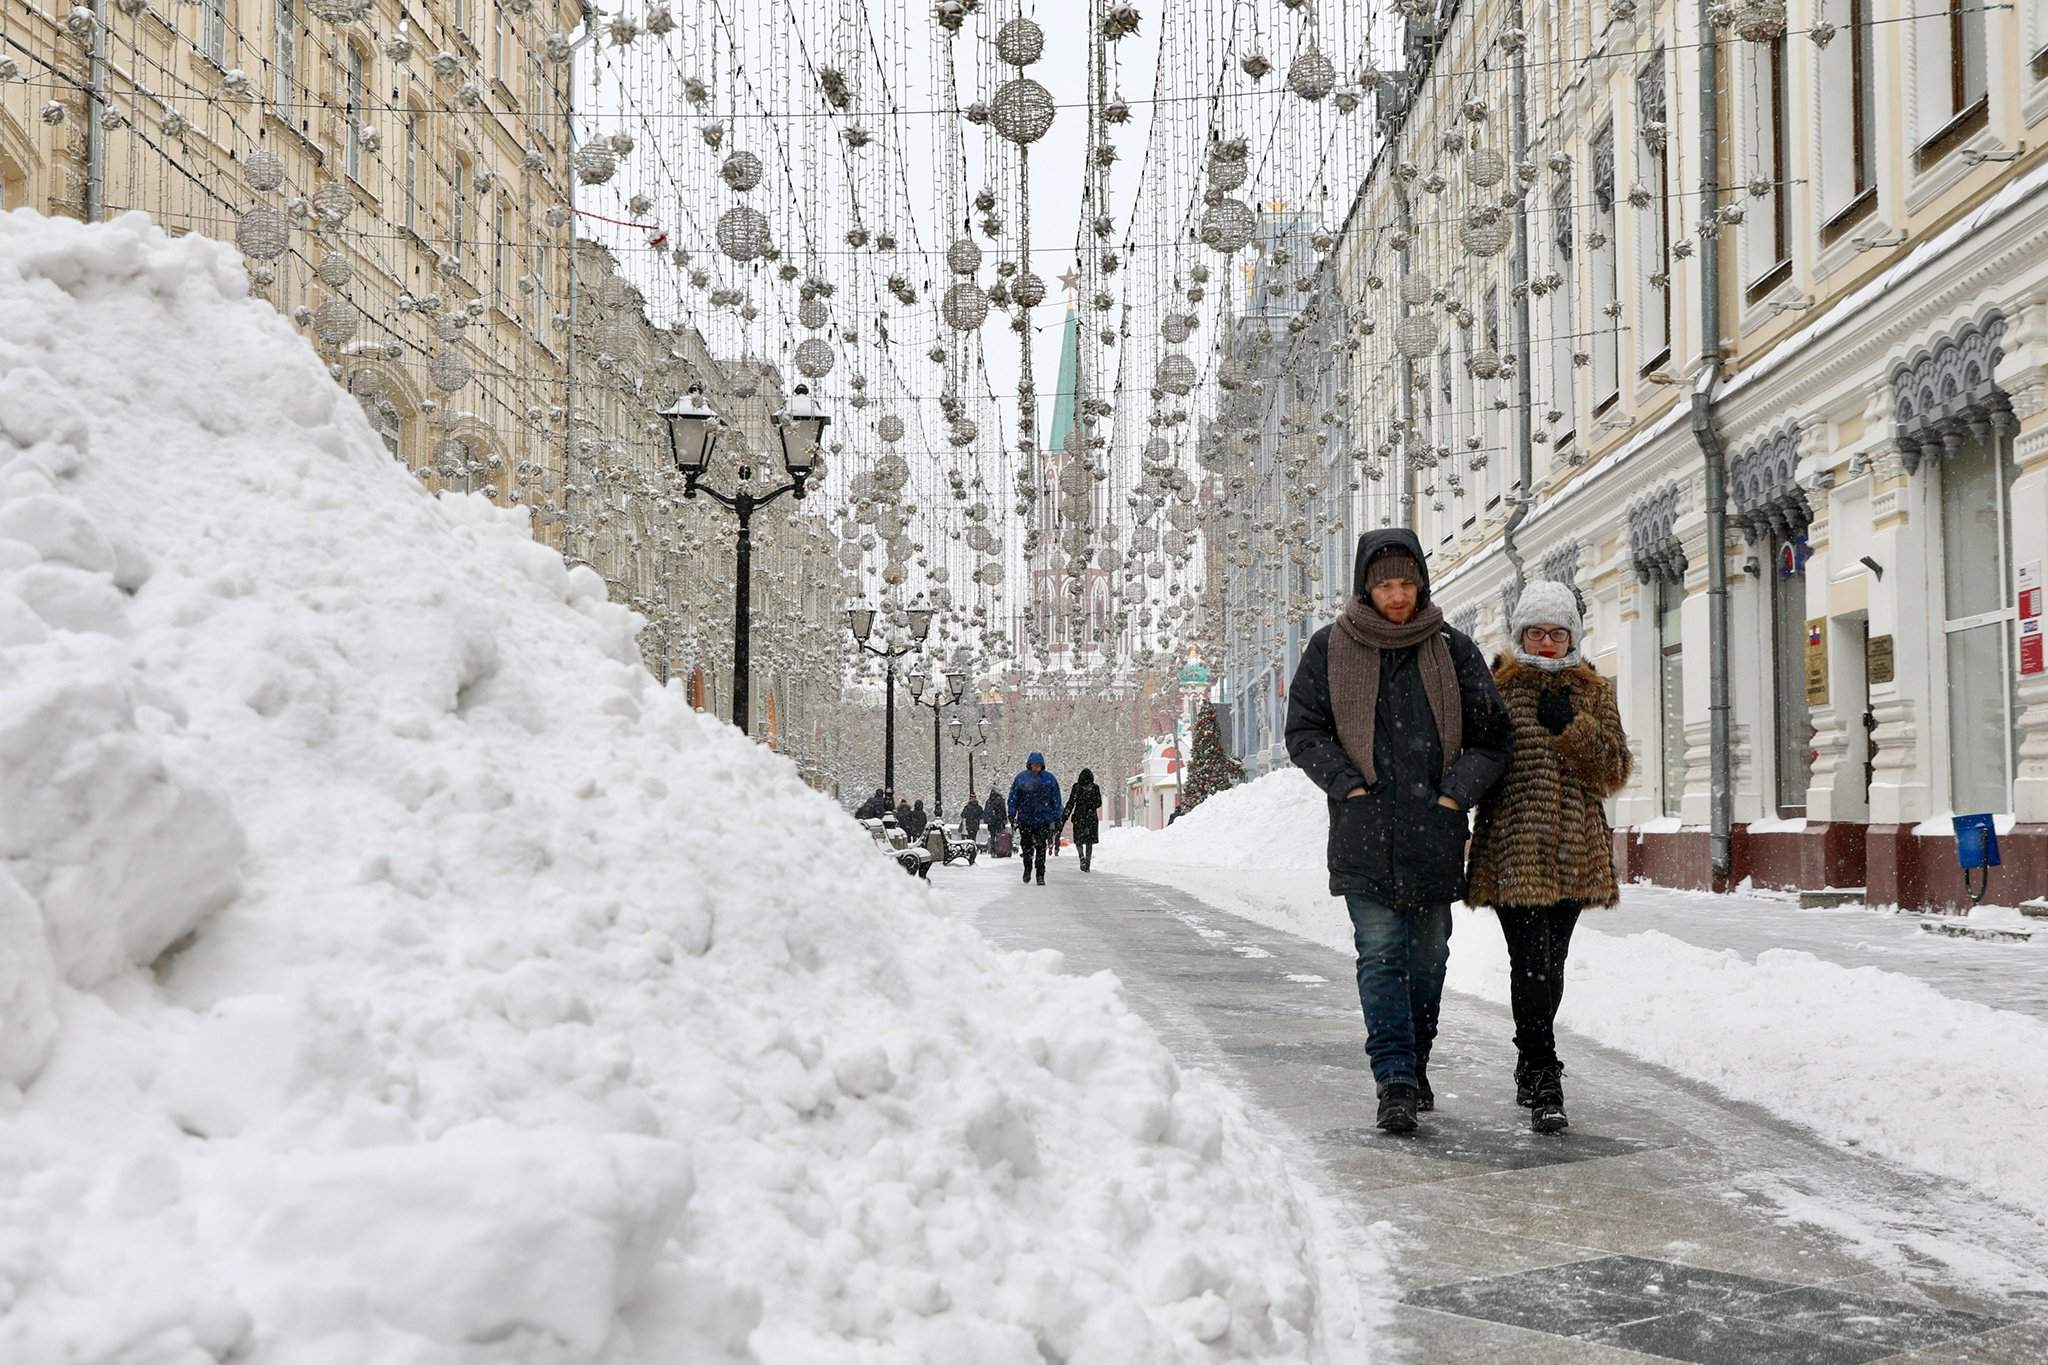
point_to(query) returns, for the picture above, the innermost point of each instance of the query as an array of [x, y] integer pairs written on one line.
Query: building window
[[1563, 341], [1976, 537], [1606, 276], [1671, 695], [1654, 220], [1848, 126], [500, 263], [498, 42], [540, 293], [287, 53], [353, 100], [460, 11], [458, 209], [213, 32], [1792, 722], [1490, 416], [1767, 225], [412, 170], [1951, 78]]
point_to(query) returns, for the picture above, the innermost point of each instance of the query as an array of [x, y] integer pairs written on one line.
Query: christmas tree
[[1212, 770]]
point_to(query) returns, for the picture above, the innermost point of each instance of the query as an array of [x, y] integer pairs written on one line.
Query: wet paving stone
[[1656, 1228]]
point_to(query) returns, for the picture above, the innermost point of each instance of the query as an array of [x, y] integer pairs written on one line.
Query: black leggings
[[1539, 937], [1035, 839]]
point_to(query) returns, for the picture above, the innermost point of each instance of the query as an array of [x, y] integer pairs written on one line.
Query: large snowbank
[[390, 971], [1858, 1054]]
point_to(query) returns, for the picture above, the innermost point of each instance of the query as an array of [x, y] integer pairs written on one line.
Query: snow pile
[[1860, 1055], [390, 971]]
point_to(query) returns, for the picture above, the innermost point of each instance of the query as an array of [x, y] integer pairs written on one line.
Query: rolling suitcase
[[1000, 845]]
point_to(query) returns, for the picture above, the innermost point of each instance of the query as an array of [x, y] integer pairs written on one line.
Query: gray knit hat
[[1546, 602]]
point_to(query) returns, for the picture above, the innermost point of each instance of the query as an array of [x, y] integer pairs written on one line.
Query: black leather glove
[[1554, 709]]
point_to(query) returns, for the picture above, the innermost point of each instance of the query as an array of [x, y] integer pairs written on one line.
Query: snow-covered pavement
[[1672, 1222]]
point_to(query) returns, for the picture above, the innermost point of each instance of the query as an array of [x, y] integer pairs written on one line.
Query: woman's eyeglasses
[[1560, 636]]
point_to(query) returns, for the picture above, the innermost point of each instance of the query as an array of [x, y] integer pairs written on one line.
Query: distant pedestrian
[[903, 816], [1035, 810], [919, 818], [992, 811], [875, 807], [1176, 811], [1084, 811], [970, 818], [1542, 851], [1394, 715]]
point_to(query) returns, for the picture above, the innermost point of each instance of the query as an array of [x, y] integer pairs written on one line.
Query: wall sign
[[1817, 661], [1877, 659], [2031, 660]]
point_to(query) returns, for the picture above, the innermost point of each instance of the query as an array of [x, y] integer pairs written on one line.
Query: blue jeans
[[1401, 959]]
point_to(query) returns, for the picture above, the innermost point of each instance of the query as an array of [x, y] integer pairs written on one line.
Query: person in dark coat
[[1541, 849], [970, 818], [1035, 809], [1084, 811], [903, 816], [1394, 715], [919, 818], [992, 811], [1177, 811], [875, 807]]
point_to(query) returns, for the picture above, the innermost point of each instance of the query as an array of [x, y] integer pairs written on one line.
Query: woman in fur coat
[[1542, 850]]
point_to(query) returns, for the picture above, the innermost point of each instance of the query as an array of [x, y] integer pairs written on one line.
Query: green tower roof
[[1066, 394]]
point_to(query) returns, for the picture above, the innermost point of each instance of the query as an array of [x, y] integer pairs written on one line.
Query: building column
[[1902, 606]]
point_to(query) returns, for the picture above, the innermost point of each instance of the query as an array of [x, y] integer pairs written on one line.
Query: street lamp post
[[861, 621], [973, 743], [939, 702], [693, 431]]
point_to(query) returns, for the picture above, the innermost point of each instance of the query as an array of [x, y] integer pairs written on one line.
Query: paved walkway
[[1668, 1224], [2003, 975]]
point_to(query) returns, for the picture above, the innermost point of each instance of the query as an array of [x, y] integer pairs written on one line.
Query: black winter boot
[[1397, 1108], [1425, 1098], [1525, 1083], [1546, 1106]]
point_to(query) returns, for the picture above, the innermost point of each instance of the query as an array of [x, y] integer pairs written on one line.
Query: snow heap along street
[[391, 972], [1860, 1055]]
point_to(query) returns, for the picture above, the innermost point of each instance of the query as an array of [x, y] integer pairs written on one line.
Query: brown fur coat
[[1542, 836]]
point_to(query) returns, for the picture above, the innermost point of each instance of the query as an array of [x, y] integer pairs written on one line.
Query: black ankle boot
[[1397, 1108], [1546, 1104], [1425, 1098]]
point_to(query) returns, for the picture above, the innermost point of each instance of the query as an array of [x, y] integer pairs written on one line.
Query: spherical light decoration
[[813, 355], [1226, 174], [1415, 335], [449, 371], [1485, 167], [333, 202], [334, 270], [1485, 363], [743, 233], [1020, 42], [741, 171], [1486, 232], [965, 306], [264, 170], [1312, 76], [1228, 225], [263, 233], [1176, 328], [596, 163], [1415, 288], [1176, 374], [1029, 290], [963, 257], [1023, 110], [812, 313], [335, 321], [889, 427]]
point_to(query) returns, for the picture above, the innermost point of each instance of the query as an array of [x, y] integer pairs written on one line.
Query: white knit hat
[[1546, 602]]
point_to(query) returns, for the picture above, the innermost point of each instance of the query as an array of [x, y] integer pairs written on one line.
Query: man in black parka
[[1394, 715]]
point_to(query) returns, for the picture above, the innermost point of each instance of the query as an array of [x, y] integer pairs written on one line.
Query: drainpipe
[[1715, 456], [1407, 376], [1525, 471], [95, 131]]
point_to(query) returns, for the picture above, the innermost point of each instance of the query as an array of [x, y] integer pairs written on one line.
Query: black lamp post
[[861, 621], [973, 740], [939, 702], [693, 431]]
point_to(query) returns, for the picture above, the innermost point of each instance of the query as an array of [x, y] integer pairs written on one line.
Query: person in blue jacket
[[1035, 810]]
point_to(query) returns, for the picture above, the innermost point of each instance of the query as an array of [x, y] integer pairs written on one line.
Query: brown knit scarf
[[1355, 647]]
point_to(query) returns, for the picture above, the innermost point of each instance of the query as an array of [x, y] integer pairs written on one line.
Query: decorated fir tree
[[1211, 770]]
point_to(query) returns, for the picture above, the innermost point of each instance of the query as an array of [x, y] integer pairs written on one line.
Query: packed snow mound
[[391, 971], [1280, 820]]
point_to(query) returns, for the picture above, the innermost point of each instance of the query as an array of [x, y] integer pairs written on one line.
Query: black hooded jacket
[[1395, 844]]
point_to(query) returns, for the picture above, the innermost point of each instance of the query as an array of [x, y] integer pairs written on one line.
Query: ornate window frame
[[1949, 387]]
